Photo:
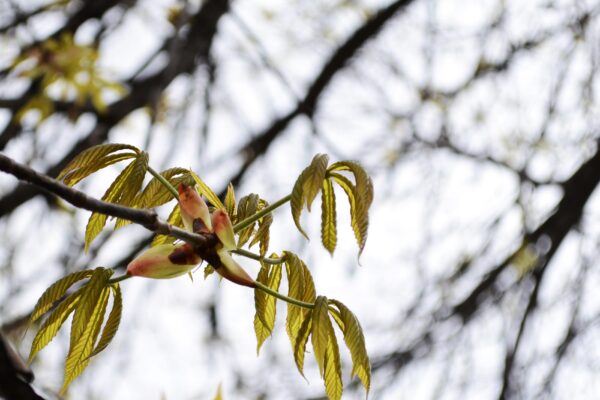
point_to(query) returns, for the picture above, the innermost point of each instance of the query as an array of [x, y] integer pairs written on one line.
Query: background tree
[[477, 120]]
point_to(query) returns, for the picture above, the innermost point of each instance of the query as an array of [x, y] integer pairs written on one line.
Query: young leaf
[[156, 194], [355, 341], [312, 185], [262, 234], [93, 159], [299, 345], [207, 191], [113, 321], [359, 212], [89, 298], [333, 369], [55, 292], [295, 277], [81, 350], [230, 203], [132, 189], [264, 320], [52, 324], [320, 331], [364, 185], [328, 217], [247, 206], [175, 220], [113, 194]]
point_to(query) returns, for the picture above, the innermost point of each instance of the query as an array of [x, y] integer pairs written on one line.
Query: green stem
[[283, 297], [266, 260], [118, 279], [267, 210], [164, 182]]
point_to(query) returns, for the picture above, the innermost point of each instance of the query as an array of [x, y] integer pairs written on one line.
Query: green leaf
[[113, 194], [264, 320], [262, 234], [156, 194], [207, 191], [295, 277], [247, 206], [328, 217], [333, 369], [355, 341], [131, 190], [175, 220], [297, 201], [219, 394], [320, 331], [312, 185], [113, 321], [208, 270], [299, 346], [359, 216], [364, 184], [230, 203], [55, 292], [80, 351], [93, 159], [52, 324], [89, 298]]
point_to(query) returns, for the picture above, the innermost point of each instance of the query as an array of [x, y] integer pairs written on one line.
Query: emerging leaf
[[207, 192], [320, 331], [247, 207], [359, 211], [156, 194], [94, 159], [113, 321], [314, 182], [52, 324], [80, 351], [299, 345], [264, 320], [355, 341], [328, 217], [55, 292], [230, 202]]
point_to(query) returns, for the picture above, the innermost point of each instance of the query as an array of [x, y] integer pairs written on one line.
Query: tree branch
[[146, 218]]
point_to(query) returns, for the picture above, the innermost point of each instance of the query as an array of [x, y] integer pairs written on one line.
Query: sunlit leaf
[[247, 206], [53, 322], [230, 203], [328, 217], [262, 234], [88, 301], [156, 194], [264, 320], [219, 394], [333, 369], [364, 185], [321, 327], [299, 346], [355, 341], [131, 190], [55, 292], [298, 196], [207, 192], [81, 350], [112, 322], [359, 217], [314, 182], [295, 277], [95, 158]]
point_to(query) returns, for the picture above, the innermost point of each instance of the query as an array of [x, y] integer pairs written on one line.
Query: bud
[[223, 229], [164, 261], [232, 271], [194, 211]]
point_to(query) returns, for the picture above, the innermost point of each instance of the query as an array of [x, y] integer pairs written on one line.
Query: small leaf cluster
[[319, 177], [68, 66], [311, 321], [88, 304], [310, 317]]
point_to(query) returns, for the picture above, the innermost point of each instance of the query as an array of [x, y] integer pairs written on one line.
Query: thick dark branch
[[146, 218], [338, 60], [15, 376]]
